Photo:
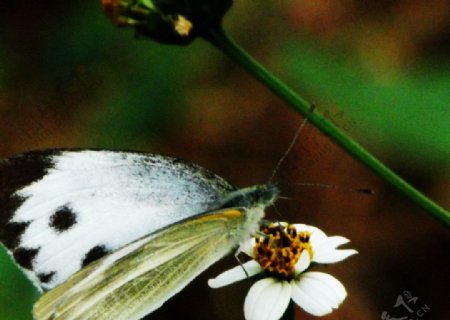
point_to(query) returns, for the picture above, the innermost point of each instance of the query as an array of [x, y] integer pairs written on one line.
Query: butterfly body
[[115, 234]]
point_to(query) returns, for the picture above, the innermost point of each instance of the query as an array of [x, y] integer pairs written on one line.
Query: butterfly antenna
[[291, 145], [332, 186]]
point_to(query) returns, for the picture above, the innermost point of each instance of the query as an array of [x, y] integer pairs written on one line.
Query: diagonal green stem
[[220, 40]]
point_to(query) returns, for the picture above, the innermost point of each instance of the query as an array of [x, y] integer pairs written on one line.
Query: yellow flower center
[[279, 247], [183, 26]]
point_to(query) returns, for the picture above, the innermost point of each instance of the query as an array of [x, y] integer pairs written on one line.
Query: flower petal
[[303, 262], [318, 293], [312, 229], [247, 247], [267, 299], [235, 274], [326, 252], [336, 241], [335, 256], [317, 235]]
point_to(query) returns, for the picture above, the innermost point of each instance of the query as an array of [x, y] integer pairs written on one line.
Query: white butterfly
[[113, 235]]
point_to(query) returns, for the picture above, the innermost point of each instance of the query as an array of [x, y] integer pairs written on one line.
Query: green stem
[[220, 40]]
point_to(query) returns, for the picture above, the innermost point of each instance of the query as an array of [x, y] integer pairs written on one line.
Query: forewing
[[139, 278], [62, 209]]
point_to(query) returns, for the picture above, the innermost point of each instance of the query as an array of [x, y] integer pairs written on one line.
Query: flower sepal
[[168, 21]]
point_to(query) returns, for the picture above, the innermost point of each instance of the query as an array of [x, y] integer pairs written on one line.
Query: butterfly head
[[264, 194], [256, 196]]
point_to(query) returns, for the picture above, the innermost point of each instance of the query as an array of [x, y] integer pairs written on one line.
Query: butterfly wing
[[140, 277], [62, 209]]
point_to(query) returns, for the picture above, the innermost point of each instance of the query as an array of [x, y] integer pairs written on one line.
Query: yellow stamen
[[279, 250]]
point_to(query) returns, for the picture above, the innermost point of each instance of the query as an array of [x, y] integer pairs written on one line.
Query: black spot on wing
[[25, 257], [19, 171], [63, 219], [11, 233], [46, 277], [16, 173], [94, 254]]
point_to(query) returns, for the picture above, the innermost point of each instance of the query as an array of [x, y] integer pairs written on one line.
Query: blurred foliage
[[17, 294], [380, 70], [409, 112]]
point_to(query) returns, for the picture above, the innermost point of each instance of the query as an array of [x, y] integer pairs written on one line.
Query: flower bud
[[168, 21]]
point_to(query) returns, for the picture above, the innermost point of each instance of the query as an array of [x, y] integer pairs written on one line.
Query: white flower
[[283, 253]]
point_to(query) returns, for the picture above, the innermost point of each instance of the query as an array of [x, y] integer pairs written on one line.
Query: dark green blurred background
[[380, 70]]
